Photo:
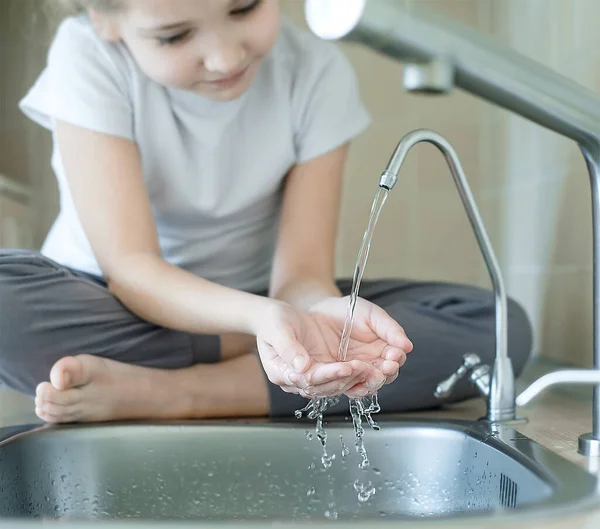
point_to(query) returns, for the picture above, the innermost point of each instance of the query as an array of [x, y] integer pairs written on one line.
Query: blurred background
[[531, 185]]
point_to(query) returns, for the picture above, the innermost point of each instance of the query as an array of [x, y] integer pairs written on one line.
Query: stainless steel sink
[[272, 471]]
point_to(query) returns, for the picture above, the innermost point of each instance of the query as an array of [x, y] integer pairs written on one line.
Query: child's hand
[[299, 350], [376, 339], [288, 342]]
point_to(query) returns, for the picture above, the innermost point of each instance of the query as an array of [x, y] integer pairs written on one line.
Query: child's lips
[[228, 81]]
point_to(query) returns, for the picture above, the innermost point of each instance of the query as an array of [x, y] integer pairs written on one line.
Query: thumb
[[289, 349], [388, 329]]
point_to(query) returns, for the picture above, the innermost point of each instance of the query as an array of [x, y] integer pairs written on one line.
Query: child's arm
[[105, 179], [303, 268]]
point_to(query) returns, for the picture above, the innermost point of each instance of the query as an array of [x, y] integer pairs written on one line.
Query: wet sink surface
[[218, 471]]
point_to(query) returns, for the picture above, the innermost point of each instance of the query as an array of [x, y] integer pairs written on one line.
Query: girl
[[199, 147]]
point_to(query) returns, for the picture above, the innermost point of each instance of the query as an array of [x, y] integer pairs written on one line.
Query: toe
[[47, 393], [53, 414], [69, 372], [55, 410], [44, 391]]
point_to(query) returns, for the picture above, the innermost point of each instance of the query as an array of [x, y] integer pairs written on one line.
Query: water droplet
[[63, 477], [309, 435], [311, 491], [366, 495], [376, 471], [110, 492], [210, 474], [331, 515]]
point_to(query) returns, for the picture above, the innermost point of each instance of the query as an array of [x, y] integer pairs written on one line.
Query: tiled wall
[[537, 182], [530, 184]]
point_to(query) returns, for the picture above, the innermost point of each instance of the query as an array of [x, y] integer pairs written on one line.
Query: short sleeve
[[328, 110], [84, 83]]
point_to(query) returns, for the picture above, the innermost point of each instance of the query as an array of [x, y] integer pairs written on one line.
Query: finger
[[275, 368], [290, 389], [391, 379], [358, 391], [330, 389], [394, 354], [324, 373], [387, 367], [335, 387], [388, 329], [290, 350], [375, 381], [321, 374], [389, 370]]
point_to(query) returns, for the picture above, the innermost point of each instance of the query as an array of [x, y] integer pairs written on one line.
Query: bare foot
[[89, 388]]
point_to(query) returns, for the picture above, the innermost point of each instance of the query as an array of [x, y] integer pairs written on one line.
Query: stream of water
[[359, 408]]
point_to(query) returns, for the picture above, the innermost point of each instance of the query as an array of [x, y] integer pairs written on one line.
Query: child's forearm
[[171, 297], [304, 292]]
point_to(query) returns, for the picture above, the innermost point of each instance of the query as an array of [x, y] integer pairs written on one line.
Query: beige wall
[[25, 147], [537, 181], [530, 184]]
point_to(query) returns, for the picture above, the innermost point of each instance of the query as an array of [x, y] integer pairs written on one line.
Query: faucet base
[[508, 422], [588, 445]]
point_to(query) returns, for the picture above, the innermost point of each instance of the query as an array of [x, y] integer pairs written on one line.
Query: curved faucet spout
[[501, 398]]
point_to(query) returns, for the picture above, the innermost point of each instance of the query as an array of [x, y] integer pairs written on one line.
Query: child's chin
[[222, 96], [225, 94]]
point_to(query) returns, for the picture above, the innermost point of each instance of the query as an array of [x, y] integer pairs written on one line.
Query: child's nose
[[225, 58]]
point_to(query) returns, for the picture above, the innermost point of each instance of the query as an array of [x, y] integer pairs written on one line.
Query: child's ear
[[106, 26]]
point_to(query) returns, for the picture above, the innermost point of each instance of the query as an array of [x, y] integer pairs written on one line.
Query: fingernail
[[298, 363]]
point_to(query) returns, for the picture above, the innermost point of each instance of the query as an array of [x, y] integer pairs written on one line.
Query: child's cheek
[[168, 69]]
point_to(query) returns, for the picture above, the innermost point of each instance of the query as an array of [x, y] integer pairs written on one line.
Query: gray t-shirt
[[213, 170]]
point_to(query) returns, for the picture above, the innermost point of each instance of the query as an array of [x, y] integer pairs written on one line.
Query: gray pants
[[48, 311]]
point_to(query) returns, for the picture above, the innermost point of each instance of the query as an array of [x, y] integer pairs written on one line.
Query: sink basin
[[273, 471]]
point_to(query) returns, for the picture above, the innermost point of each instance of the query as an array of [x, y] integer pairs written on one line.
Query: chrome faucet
[[499, 386], [440, 55]]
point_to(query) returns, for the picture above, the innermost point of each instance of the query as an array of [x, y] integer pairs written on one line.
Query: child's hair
[[76, 7], [55, 11]]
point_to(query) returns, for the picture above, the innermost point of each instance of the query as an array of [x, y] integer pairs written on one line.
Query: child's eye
[[241, 11], [172, 39]]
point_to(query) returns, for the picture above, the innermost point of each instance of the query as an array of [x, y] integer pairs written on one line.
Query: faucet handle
[[445, 388]]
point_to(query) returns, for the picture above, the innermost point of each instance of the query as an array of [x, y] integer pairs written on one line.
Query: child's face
[[211, 47]]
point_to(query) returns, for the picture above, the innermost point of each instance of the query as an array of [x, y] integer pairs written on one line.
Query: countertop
[[555, 420]]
